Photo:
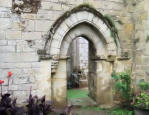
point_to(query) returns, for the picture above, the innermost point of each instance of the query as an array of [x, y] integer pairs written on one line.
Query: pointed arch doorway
[[88, 23]]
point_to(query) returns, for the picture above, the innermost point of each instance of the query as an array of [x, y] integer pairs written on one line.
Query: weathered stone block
[[14, 65], [6, 3], [28, 16], [5, 23], [12, 42], [29, 25], [23, 46], [2, 35], [13, 35], [18, 57], [43, 25], [4, 15], [3, 42], [31, 35], [51, 6], [7, 49], [36, 64]]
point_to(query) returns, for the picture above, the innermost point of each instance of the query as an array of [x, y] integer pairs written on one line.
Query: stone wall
[[21, 35], [83, 55], [141, 45]]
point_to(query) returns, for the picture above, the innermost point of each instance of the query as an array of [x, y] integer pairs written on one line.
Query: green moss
[[114, 30], [113, 35], [111, 22], [147, 38], [76, 93], [120, 22]]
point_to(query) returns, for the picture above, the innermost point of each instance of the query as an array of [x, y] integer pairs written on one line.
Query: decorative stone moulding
[[43, 55], [25, 6], [56, 46], [124, 56], [111, 58]]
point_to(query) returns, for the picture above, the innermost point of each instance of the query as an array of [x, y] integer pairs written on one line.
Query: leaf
[[147, 38]]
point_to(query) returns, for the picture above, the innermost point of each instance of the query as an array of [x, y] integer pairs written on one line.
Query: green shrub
[[123, 85], [142, 101], [143, 85]]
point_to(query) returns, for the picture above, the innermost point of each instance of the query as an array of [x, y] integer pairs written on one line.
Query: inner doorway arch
[[89, 23]]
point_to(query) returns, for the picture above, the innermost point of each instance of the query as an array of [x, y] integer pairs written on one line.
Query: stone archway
[[91, 24]]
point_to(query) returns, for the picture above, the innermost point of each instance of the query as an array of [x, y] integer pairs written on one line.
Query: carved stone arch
[[78, 16], [90, 33], [82, 21]]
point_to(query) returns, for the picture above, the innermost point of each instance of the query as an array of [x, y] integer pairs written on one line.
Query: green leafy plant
[[143, 85], [141, 101], [123, 85]]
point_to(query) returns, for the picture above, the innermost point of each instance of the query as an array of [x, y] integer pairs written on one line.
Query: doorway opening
[[78, 72]]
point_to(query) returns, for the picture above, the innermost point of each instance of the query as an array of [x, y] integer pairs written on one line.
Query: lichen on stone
[[25, 6]]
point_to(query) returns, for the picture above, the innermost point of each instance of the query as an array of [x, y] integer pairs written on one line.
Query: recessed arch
[[88, 22], [87, 31], [84, 14]]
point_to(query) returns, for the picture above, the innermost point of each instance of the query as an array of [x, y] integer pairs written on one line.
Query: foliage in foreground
[[120, 111], [143, 85], [123, 86], [141, 99], [8, 106], [35, 106]]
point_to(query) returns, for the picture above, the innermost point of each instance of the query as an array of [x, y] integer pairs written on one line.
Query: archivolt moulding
[[69, 20]]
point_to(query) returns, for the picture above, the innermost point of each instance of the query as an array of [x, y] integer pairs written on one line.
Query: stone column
[[104, 83], [59, 84], [44, 79]]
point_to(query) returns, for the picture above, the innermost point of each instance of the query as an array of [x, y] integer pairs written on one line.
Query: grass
[[94, 108], [119, 111], [75, 93]]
